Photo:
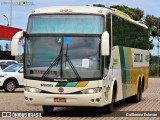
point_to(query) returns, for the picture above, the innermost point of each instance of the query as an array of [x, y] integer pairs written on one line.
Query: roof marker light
[[61, 10], [33, 11], [70, 10], [65, 10], [100, 11]]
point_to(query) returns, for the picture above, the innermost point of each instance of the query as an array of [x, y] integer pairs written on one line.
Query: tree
[[1, 48], [150, 20], [7, 47], [20, 57], [151, 45], [153, 24], [134, 13], [99, 5]]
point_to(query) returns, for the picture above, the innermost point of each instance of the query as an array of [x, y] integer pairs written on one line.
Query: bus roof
[[72, 9], [129, 19], [84, 10]]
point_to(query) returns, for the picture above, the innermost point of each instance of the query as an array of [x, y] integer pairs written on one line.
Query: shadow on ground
[[90, 112], [11, 92]]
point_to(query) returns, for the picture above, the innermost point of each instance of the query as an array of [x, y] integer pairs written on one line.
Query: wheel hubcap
[[10, 86]]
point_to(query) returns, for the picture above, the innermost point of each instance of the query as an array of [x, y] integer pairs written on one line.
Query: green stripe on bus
[[123, 72], [71, 84], [66, 84], [127, 69], [121, 51], [61, 84]]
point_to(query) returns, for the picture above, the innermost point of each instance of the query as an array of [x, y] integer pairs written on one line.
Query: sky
[[21, 12]]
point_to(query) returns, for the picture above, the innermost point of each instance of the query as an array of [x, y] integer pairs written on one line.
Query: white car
[[12, 77]]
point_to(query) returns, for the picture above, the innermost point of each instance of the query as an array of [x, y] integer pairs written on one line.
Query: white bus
[[83, 56]]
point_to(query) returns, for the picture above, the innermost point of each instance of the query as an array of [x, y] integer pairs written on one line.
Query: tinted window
[[91, 24], [129, 34]]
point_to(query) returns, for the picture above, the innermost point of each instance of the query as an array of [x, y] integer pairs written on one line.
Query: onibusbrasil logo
[[24, 3], [19, 3]]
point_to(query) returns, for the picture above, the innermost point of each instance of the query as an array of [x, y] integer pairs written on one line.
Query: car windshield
[[3, 66], [12, 68]]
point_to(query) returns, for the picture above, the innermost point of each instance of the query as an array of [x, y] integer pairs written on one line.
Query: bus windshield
[[83, 52], [80, 24]]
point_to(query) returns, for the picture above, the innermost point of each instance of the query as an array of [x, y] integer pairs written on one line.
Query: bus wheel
[[138, 97], [47, 109], [109, 108]]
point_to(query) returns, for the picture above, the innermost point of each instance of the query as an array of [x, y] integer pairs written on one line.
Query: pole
[[7, 19], [10, 18], [158, 51], [11, 13]]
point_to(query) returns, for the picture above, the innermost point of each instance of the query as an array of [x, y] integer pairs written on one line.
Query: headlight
[[2, 75], [33, 90], [91, 91]]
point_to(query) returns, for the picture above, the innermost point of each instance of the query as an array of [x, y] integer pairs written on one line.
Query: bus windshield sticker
[[67, 40], [59, 40], [85, 63]]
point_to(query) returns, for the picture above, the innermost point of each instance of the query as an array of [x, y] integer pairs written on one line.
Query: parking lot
[[149, 104]]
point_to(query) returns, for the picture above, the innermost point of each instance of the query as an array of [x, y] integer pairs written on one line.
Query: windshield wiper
[[56, 61], [71, 64]]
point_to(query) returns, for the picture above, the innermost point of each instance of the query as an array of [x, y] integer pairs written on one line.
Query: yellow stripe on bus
[[82, 84]]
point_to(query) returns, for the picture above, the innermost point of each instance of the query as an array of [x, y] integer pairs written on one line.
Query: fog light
[[98, 99], [26, 98], [92, 100]]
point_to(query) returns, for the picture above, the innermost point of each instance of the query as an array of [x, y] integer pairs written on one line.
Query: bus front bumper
[[39, 99]]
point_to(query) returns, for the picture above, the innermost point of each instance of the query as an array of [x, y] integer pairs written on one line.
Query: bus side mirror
[[14, 43], [105, 44]]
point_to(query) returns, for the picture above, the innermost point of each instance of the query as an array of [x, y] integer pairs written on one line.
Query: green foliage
[[6, 55], [151, 45], [150, 20], [7, 47], [154, 31], [134, 13], [20, 57], [153, 69], [153, 24], [1, 48], [99, 5]]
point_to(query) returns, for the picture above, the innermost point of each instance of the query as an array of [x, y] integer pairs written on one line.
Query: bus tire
[[109, 108], [47, 109], [138, 97], [9, 86]]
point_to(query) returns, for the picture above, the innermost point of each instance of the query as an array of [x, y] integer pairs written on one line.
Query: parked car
[[12, 77], [6, 63]]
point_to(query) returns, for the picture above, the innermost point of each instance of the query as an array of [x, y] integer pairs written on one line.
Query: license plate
[[60, 100]]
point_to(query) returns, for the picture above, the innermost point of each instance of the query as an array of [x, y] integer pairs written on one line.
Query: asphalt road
[[148, 108]]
